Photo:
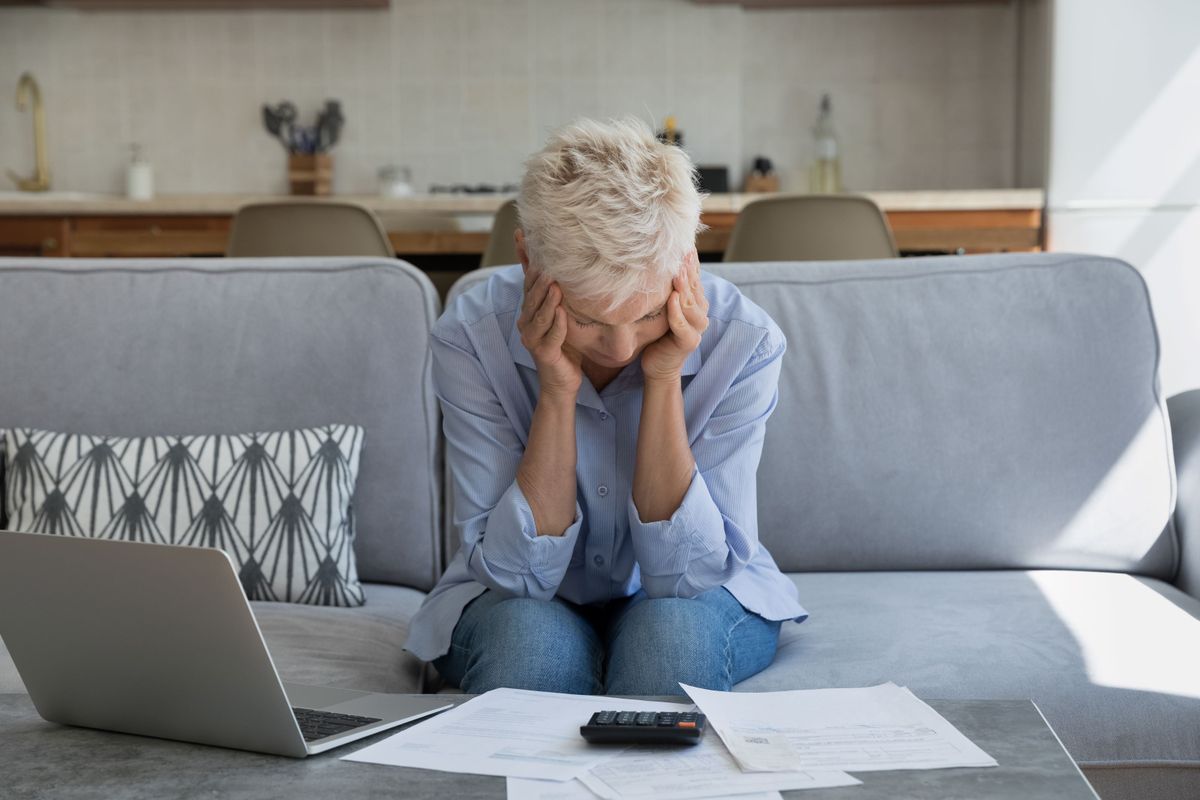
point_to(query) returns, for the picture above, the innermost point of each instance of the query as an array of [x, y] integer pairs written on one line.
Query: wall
[[1033, 90], [464, 90], [1124, 154]]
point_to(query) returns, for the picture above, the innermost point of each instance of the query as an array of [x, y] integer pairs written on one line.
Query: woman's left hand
[[687, 316]]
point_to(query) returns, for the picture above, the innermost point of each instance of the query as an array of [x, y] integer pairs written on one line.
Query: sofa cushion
[[1109, 658], [973, 412], [162, 346], [352, 648], [961, 412], [277, 503]]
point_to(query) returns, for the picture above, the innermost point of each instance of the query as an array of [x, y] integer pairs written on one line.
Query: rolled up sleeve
[[501, 545], [713, 533], [509, 556]]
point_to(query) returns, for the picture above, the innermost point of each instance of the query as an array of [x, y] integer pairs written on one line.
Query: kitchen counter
[[101, 226], [75, 203]]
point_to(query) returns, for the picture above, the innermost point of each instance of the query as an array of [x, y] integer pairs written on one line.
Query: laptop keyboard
[[319, 724]]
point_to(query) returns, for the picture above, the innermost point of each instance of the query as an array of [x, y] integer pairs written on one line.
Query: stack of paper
[[523, 789], [506, 732], [703, 770], [857, 730], [767, 743]]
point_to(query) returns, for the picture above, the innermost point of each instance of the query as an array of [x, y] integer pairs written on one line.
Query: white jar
[[395, 181], [139, 177]]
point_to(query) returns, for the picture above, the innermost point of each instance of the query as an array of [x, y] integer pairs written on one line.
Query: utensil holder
[[761, 183], [310, 174]]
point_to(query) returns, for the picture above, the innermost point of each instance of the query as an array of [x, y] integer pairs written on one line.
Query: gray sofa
[[969, 474]]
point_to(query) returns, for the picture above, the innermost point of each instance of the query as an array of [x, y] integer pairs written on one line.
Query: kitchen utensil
[[279, 122], [329, 125], [304, 140]]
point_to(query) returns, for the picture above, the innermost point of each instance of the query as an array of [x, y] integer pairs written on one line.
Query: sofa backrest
[[963, 412], [138, 347]]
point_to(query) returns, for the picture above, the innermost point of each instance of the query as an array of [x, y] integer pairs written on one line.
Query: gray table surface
[[39, 759]]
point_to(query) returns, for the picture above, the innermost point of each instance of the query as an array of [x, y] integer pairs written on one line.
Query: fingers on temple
[[535, 297], [546, 313], [675, 313], [687, 290], [558, 331]]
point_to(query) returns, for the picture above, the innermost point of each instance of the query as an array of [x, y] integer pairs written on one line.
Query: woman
[[604, 408]]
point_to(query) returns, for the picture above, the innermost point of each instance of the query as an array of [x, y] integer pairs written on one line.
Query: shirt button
[[603, 415], [598, 560], [602, 490]]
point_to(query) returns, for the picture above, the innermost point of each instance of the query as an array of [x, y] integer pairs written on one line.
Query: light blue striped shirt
[[487, 384]]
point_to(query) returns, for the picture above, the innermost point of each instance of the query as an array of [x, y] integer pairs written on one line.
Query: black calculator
[[644, 727]]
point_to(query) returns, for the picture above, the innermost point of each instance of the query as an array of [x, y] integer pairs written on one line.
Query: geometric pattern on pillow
[[280, 504]]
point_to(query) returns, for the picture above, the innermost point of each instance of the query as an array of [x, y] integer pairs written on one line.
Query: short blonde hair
[[607, 210]]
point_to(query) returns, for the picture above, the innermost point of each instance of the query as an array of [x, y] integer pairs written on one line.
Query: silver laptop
[[159, 640]]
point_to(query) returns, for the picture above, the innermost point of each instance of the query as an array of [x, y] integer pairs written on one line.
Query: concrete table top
[[40, 760]]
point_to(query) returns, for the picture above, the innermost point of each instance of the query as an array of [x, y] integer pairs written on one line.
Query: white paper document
[[703, 770], [526, 789], [857, 730], [506, 732], [529, 789]]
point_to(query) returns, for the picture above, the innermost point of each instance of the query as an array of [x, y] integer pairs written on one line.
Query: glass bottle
[[825, 173]]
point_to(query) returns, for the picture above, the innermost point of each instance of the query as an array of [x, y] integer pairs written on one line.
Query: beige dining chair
[[307, 228], [421, 223], [813, 227], [501, 248]]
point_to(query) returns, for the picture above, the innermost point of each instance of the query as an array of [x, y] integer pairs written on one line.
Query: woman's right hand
[[543, 327]]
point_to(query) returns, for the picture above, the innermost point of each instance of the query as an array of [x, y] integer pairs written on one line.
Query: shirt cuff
[[665, 549], [516, 557]]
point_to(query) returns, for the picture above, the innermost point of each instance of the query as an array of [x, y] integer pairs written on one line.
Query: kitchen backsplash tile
[[559, 99], [499, 40], [464, 90], [912, 44]]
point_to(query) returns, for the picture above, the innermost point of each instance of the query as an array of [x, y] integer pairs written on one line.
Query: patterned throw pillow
[[278, 503]]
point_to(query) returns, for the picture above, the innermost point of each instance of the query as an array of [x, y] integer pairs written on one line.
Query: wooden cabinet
[[113, 237], [763, 4], [968, 231], [1004, 230], [950, 222], [33, 236], [191, 5], [148, 236]]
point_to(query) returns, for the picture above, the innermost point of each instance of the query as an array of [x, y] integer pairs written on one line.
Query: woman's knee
[[660, 643], [523, 643]]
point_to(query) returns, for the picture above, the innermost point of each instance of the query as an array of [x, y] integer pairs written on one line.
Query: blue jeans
[[633, 646]]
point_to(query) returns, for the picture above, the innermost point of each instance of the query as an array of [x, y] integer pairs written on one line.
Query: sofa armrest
[[1184, 411]]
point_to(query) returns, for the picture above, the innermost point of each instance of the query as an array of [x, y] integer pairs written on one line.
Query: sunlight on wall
[[1157, 153]]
